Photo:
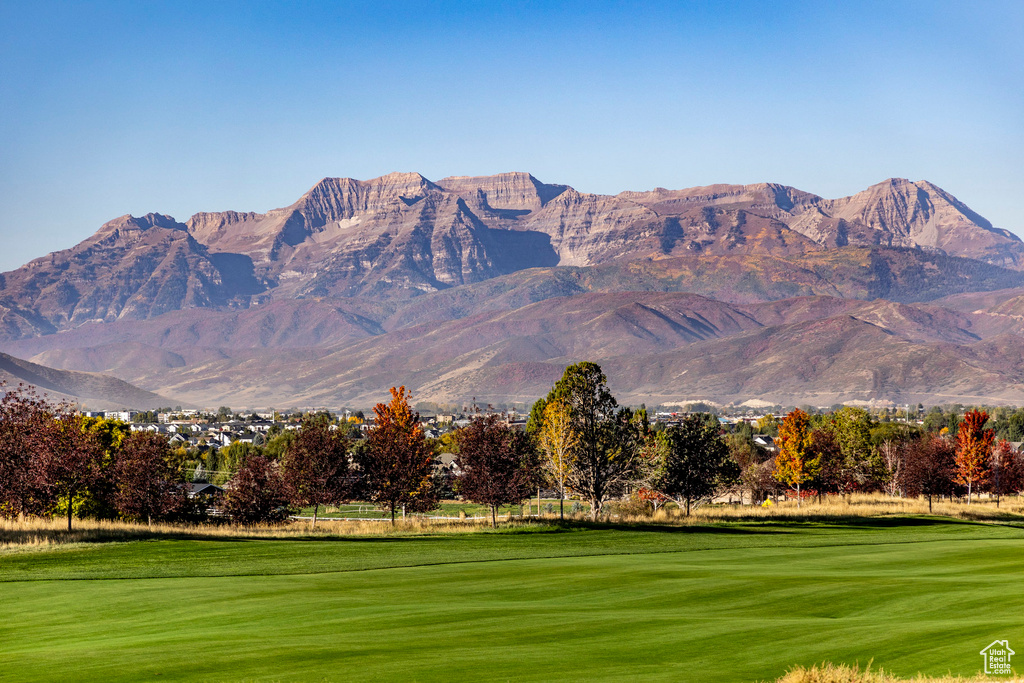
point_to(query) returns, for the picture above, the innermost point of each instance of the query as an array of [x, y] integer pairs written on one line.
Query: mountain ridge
[[402, 235], [95, 389], [360, 284]]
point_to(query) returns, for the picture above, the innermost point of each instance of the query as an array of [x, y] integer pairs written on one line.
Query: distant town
[[198, 428]]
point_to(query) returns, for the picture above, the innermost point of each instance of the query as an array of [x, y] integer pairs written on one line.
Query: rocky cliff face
[[401, 235], [506, 195], [914, 214], [132, 268], [896, 213]]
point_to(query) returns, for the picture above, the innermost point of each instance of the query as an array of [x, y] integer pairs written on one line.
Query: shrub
[[632, 507]]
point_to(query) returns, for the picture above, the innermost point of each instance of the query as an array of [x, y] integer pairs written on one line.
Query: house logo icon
[[997, 657]]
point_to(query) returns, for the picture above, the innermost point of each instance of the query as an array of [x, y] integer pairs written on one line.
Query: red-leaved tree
[[395, 463], [316, 466], [828, 472], [70, 461], [257, 493], [500, 465], [144, 482], [24, 417], [929, 466], [1006, 470], [973, 450]]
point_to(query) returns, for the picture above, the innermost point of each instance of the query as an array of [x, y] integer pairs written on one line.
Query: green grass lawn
[[737, 602]]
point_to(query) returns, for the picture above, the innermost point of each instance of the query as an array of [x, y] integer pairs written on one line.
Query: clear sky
[[108, 108]]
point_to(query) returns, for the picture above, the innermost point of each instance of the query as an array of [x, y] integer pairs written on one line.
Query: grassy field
[[738, 601]]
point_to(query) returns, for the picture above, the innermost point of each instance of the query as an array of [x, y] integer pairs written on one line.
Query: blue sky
[[112, 108]]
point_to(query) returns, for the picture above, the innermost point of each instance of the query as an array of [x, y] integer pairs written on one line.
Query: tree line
[[834, 454], [578, 441]]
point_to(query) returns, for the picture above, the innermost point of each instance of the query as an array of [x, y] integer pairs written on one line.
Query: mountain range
[[488, 286]]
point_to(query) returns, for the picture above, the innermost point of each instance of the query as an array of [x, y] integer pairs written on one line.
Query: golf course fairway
[[730, 602]]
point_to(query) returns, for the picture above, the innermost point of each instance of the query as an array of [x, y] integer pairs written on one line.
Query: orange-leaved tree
[[793, 465], [973, 450], [396, 462]]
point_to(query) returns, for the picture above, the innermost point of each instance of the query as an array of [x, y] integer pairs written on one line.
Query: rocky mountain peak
[[334, 199], [922, 214], [150, 220], [515, 191], [128, 230], [401, 235]]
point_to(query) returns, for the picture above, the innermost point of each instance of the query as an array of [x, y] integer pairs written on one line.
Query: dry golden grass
[[1011, 509], [28, 533], [832, 673]]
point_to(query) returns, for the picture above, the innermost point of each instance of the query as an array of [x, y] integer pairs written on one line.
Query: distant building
[[446, 463]]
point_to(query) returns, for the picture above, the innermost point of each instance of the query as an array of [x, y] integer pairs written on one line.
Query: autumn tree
[[445, 476], [257, 494], [825, 462], [70, 458], [929, 466], [558, 440], [759, 479], [1006, 470], [605, 456], [24, 417], [499, 465], [973, 450], [143, 478], [316, 466], [792, 464], [696, 464], [395, 462]]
